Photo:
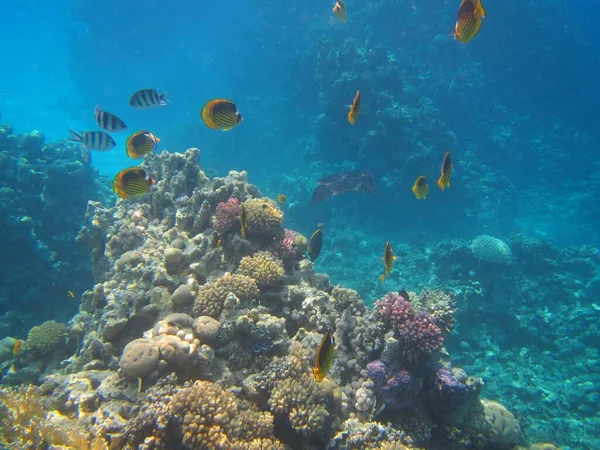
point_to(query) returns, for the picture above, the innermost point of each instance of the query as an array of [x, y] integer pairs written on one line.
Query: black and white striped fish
[[94, 140], [147, 98], [108, 121]]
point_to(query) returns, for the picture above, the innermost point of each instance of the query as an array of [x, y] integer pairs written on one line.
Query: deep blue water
[[519, 107]]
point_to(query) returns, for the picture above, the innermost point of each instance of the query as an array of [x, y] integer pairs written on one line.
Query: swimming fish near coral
[[388, 259], [132, 182], [324, 357], [219, 243], [446, 171], [108, 121], [147, 98], [315, 243], [94, 140], [17, 347], [281, 198], [243, 220], [420, 188], [140, 144], [354, 109], [469, 20], [220, 114], [339, 9], [71, 294]]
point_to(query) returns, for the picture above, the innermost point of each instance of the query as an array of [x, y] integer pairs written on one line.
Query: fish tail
[[163, 100], [76, 137]]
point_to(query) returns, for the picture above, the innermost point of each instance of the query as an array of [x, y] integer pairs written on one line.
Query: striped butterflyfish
[[140, 144], [324, 357], [220, 114], [108, 121], [446, 172], [94, 140], [388, 259], [469, 20], [421, 188], [132, 182], [147, 98], [354, 109]]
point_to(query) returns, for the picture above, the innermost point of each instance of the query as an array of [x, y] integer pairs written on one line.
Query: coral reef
[[264, 267]]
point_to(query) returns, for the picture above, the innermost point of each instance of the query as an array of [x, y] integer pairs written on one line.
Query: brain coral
[[491, 250], [139, 358], [504, 431], [264, 267], [46, 337], [264, 219], [211, 298], [212, 419]]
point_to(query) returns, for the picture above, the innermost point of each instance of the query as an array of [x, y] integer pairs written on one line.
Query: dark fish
[[446, 172], [315, 243], [354, 109], [388, 259], [324, 357], [402, 293], [221, 114], [336, 184], [108, 121], [420, 188], [147, 98], [469, 20], [94, 140], [140, 144], [243, 220], [132, 182]]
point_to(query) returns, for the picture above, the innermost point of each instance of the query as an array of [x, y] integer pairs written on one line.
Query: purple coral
[[226, 217], [286, 247], [416, 330], [397, 390]]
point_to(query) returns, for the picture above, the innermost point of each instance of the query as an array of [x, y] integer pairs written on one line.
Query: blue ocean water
[[518, 107]]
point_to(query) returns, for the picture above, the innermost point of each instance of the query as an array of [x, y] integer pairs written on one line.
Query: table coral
[[264, 267]]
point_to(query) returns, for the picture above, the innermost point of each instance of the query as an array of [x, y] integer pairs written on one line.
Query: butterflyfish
[[220, 114], [446, 171], [354, 109], [324, 357], [140, 144], [243, 220], [469, 20], [132, 182], [420, 188]]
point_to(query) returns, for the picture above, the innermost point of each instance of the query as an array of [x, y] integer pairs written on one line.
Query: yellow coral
[[264, 219], [264, 267], [212, 296]]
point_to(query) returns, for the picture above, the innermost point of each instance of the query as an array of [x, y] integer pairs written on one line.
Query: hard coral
[[286, 247], [488, 249], [416, 330], [212, 296], [504, 431], [264, 219], [439, 304], [227, 216], [46, 337], [264, 267]]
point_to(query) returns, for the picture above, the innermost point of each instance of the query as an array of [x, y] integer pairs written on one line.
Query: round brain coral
[[264, 267], [504, 431], [264, 219], [491, 250], [211, 298]]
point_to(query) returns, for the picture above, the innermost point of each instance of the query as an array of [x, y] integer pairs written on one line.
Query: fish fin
[[227, 128], [163, 99], [96, 109], [76, 137], [481, 10]]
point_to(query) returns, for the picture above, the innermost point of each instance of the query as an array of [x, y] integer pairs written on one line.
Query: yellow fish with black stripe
[[324, 358], [140, 144], [132, 182], [469, 20], [220, 114]]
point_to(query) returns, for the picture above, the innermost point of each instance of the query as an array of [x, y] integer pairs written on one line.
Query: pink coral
[[227, 216], [416, 330], [286, 247]]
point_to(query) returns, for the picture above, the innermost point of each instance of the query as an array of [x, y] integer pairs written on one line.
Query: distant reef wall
[[44, 190]]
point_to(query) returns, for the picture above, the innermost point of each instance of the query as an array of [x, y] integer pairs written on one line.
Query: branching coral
[[286, 247], [439, 304], [226, 218], [264, 219], [264, 267], [212, 296], [416, 330]]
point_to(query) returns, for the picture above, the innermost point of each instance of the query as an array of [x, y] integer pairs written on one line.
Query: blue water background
[[519, 107]]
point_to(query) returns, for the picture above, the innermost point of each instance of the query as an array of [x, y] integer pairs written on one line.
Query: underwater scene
[[327, 224]]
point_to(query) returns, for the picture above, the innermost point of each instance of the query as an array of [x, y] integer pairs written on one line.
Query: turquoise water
[[518, 107]]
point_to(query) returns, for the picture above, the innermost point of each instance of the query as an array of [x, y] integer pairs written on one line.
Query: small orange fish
[[382, 278], [354, 109], [70, 294], [340, 10], [469, 20], [219, 244], [420, 188], [17, 347], [446, 172], [281, 198]]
